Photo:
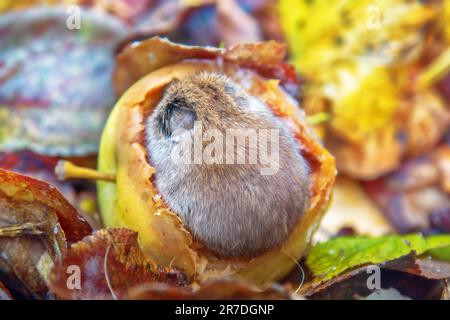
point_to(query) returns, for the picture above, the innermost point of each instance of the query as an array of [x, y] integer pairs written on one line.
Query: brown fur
[[232, 209]]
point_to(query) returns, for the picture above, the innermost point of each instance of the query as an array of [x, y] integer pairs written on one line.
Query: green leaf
[[329, 259], [442, 253]]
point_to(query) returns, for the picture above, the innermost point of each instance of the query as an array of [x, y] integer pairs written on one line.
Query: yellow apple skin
[[133, 202]]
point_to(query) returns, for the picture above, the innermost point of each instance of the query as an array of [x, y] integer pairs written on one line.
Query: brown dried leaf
[[139, 59], [423, 267], [314, 286], [426, 120], [37, 166], [379, 154], [257, 53], [110, 262], [27, 190], [415, 196], [81, 194], [416, 123], [35, 221], [221, 289]]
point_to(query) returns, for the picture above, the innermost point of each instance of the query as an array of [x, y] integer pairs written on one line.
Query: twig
[[18, 230]]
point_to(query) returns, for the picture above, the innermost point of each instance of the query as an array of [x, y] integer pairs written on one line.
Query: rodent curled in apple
[[231, 208]]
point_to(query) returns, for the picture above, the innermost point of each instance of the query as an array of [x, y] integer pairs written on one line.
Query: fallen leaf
[[56, 89], [35, 224], [421, 266], [134, 61], [341, 259], [442, 253], [26, 190], [426, 120], [80, 193], [350, 51], [110, 263], [329, 259], [414, 197], [221, 289], [140, 58], [314, 286], [322, 34], [353, 283], [37, 166]]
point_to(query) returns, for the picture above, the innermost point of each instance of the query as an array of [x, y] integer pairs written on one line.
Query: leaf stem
[[67, 170]]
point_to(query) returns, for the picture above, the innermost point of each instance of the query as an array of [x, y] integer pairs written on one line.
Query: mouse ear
[[177, 118], [182, 120]]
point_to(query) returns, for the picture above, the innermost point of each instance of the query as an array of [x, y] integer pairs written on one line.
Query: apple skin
[[133, 202]]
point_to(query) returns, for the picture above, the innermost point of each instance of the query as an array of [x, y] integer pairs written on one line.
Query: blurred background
[[375, 85]]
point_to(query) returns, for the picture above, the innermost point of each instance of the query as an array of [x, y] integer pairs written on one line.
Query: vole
[[234, 209]]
